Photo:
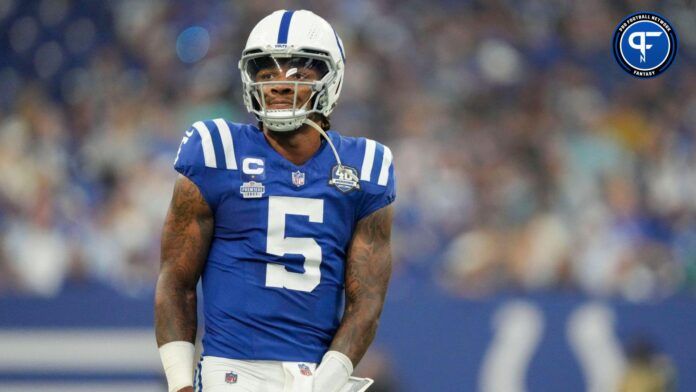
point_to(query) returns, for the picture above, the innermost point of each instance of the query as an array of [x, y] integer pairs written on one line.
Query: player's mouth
[[280, 105]]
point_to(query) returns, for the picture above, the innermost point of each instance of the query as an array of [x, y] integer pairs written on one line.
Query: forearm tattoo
[[368, 269], [186, 238]]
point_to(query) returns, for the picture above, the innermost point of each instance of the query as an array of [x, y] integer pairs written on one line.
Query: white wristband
[[333, 372], [177, 359], [340, 357]]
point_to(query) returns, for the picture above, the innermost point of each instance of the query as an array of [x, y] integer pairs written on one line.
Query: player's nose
[[281, 89]]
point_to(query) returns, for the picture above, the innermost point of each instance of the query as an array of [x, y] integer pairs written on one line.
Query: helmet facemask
[[305, 74]]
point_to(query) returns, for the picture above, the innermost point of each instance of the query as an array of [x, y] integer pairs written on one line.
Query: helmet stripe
[[340, 48], [284, 27]]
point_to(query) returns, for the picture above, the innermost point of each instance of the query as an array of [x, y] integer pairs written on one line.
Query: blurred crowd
[[526, 158]]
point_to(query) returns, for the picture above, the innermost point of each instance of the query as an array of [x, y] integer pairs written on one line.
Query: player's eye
[[301, 75], [265, 75]]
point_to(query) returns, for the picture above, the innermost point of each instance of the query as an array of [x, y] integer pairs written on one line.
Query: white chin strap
[[341, 168], [321, 131]]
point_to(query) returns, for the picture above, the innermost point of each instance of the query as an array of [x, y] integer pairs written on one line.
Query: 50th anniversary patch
[[645, 44]]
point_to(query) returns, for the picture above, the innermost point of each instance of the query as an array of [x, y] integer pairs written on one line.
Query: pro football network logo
[[645, 44]]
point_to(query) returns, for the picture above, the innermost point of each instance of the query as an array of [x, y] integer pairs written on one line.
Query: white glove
[[333, 372]]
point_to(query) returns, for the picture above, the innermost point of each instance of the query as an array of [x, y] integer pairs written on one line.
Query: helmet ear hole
[[254, 95], [255, 103]]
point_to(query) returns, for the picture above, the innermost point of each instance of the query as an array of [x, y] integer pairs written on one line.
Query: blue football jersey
[[274, 278]]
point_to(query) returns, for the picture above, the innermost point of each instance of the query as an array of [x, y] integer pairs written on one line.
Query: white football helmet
[[291, 40]]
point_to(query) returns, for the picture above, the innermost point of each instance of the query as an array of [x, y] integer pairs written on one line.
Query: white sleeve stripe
[[368, 160], [227, 144], [207, 143], [386, 163]]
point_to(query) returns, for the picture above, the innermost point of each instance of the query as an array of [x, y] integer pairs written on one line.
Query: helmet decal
[[284, 27]]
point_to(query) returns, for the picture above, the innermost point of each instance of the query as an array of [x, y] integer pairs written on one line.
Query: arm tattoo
[[186, 237], [368, 269]]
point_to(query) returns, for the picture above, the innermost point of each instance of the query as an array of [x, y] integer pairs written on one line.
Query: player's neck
[[295, 146]]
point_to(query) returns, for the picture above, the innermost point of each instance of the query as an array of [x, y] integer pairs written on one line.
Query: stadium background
[[545, 234]]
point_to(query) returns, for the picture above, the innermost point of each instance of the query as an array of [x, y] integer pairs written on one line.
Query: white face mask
[[308, 73]]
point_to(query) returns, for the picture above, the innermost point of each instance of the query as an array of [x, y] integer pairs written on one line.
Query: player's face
[[285, 72], [281, 95]]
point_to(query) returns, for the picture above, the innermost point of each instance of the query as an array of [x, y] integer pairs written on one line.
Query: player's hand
[[186, 389]]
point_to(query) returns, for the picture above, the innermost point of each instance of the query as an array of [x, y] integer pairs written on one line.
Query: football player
[[287, 224]]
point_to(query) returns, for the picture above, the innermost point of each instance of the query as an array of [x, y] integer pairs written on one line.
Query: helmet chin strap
[[341, 168], [321, 131]]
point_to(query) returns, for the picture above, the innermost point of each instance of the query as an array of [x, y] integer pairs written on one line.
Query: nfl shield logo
[[231, 377], [298, 178], [304, 369]]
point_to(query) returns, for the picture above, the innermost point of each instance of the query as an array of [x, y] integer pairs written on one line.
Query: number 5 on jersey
[[279, 245]]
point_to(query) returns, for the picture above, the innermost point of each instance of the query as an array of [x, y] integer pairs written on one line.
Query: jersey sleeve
[[376, 178], [205, 149]]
